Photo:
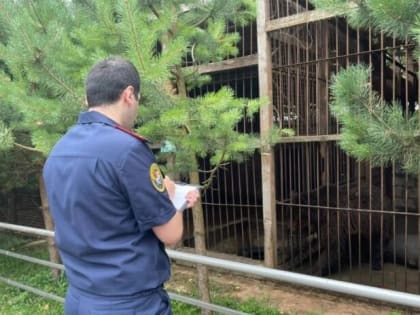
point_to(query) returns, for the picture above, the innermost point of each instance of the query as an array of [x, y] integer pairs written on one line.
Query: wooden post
[[49, 225], [11, 212], [200, 247], [266, 123]]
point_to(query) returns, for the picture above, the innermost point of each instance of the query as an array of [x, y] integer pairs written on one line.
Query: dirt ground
[[287, 298]]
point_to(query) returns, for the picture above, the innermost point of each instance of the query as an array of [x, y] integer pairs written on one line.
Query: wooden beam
[[291, 139], [229, 64], [320, 138], [297, 19], [266, 122]]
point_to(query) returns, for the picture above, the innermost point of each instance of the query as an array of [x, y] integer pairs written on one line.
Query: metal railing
[[379, 294], [40, 232]]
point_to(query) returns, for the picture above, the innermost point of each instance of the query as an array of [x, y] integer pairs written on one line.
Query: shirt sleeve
[[142, 181]]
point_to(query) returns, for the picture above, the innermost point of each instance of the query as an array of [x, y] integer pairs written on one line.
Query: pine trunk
[[49, 225], [11, 207], [198, 218], [200, 246]]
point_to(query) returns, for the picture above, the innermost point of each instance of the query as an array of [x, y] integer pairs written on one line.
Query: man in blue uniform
[[110, 203]]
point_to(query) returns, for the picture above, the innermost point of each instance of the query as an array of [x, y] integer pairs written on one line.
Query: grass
[[18, 302], [14, 301]]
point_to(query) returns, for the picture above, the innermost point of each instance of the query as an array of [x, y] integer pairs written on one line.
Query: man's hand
[[192, 198], [170, 186]]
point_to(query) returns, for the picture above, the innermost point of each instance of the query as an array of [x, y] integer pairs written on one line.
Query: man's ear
[[127, 94]]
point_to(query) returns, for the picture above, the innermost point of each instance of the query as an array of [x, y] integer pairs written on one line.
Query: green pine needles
[[372, 129], [47, 47], [398, 18]]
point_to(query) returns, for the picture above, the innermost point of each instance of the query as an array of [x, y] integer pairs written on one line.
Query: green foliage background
[[47, 48]]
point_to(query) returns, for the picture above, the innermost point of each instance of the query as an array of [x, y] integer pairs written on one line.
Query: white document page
[[181, 190]]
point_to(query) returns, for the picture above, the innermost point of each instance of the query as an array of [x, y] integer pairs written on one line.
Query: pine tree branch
[[387, 128], [156, 13], [136, 36], [31, 47], [9, 19], [222, 165], [192, 53], [353, 74], [24, 147], [204, 19], [370, 110], [62, 83], [209, 180], [32, 5], [186, 128], [57, 34]]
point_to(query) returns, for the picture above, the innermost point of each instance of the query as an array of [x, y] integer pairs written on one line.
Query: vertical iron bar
[[299, 190], [394, 166], [308, 202], [291, 197], [369, 169], [317, 162]]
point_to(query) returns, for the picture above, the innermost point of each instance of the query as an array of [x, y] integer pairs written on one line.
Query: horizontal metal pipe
[[25, 229], [32, 289], [32, 259], [385, 295], [173, 296], [204, 305]]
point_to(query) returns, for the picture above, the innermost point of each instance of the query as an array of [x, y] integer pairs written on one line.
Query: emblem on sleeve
[[156, 177]]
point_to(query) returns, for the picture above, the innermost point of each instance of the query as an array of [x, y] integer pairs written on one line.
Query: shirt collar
[[95, 117]]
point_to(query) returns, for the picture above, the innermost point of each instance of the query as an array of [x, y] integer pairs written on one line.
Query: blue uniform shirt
[[106, 193]]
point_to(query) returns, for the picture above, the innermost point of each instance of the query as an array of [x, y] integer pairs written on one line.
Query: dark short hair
[[108, 79]]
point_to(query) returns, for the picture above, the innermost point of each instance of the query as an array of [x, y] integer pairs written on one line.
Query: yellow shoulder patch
[[156, 177]]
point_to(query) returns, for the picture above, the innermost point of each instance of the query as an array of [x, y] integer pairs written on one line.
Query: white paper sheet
[[181, 190]]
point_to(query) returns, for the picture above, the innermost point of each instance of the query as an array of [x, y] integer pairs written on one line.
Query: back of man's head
[[108, 79]]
